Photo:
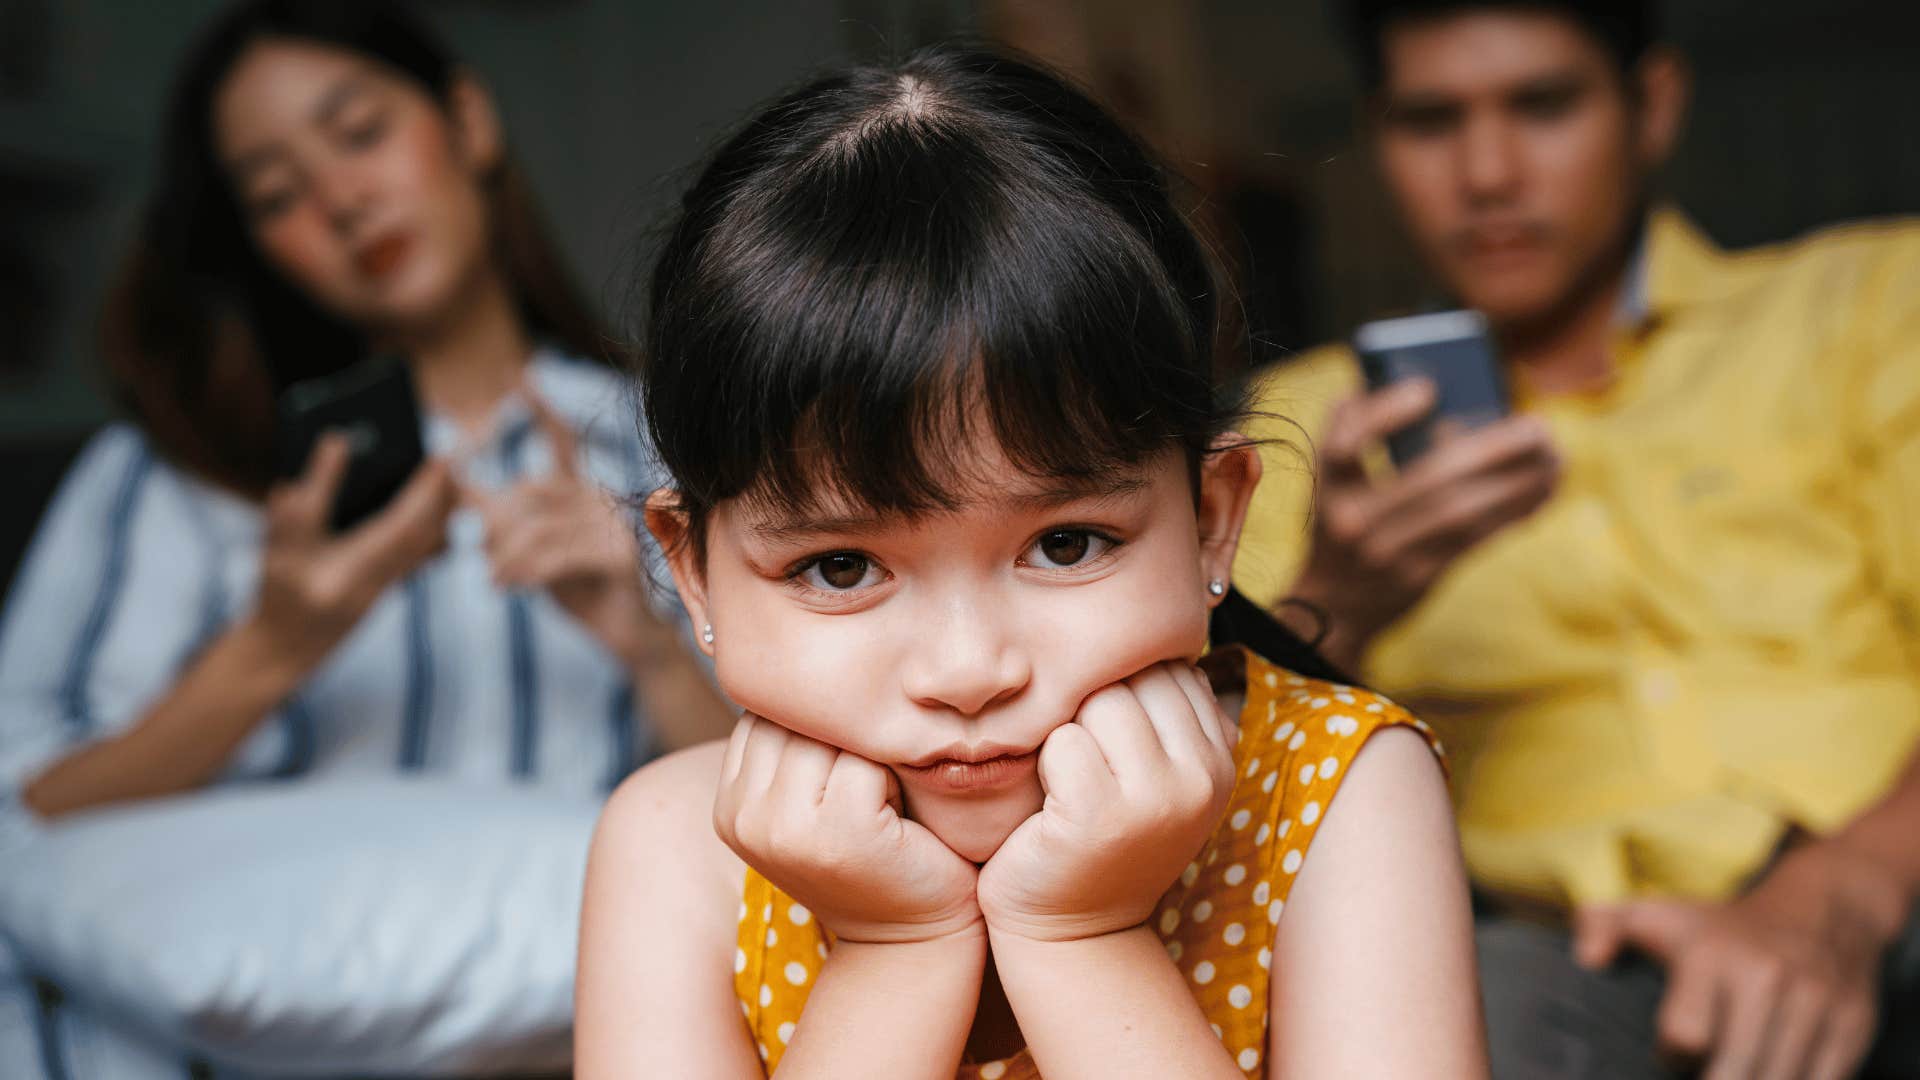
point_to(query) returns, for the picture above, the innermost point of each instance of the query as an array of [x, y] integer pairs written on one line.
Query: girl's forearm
[[1107, 1006], [900, 1010], [186, 737]]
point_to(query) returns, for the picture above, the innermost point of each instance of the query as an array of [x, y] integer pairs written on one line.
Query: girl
[[331, 183], [951, 499]]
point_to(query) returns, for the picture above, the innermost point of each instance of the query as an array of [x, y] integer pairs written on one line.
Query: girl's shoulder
[[1300, 738], [659, 824], [1294, 711]]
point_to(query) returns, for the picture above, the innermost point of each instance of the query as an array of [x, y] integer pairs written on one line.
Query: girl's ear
[[1227, 479], [669, 526], [476, 124]]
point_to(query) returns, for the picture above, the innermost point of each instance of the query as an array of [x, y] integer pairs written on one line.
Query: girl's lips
[[383, 256], [973, 777]]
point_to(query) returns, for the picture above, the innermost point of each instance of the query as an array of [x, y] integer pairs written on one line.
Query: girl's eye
[[842, 571], [1058, 549], [270, 204], [366, 131]]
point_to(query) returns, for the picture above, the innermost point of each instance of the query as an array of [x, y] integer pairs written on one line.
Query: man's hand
[[1781, 982], [1379, 546]]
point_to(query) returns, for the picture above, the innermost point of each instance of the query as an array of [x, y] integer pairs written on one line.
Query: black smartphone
[[1454, 350], [375, 406]]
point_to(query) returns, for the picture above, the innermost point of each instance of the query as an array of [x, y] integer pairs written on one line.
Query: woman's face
[[356, 184], [948, 646]]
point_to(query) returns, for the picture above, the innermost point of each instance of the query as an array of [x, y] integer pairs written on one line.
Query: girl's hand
[[315, 584], [825, 826], [1133, 788], [563, 534]]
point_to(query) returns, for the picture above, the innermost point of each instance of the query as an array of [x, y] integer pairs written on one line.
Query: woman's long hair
[[200, 332]]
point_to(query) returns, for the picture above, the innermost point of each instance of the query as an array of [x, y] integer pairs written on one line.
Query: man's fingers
[[1796, 1031], [560, 437], [1360, 422], [1660, 927], [1519, 440], [1447, 521], [1748, 1001], [1845, 1036], [1597, 936], [1689, 1017]]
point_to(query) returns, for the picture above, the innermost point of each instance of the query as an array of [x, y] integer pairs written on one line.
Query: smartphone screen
[[1451, 348], [375, 406]]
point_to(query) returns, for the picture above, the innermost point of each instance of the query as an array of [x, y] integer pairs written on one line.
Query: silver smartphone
[[1454, 350]]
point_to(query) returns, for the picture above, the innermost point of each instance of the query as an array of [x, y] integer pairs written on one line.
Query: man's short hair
[[1623, 27]]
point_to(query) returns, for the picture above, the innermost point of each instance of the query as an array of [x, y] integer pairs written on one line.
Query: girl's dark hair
[[892, 260], [200, 332]]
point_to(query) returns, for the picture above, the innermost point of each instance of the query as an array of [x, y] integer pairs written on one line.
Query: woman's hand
[[563, 534], [825, 826], [1133, 788], [316, 585]]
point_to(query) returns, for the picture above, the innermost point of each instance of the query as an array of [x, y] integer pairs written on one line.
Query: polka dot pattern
[[1218, 921]]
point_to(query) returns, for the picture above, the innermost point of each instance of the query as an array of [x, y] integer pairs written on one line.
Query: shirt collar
[[1677, 266]]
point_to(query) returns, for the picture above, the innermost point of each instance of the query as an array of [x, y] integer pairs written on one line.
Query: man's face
[[1509, 141]]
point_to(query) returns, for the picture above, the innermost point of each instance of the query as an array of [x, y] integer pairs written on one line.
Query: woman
[[333, 185]]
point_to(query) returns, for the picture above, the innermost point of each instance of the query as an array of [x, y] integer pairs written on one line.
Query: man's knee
[[1549, 1017]]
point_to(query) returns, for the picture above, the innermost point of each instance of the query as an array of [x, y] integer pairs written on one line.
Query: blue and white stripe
[[137, 566]]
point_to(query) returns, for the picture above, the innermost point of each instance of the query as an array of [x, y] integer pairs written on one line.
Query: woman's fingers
[[560, 437], [300, 509]]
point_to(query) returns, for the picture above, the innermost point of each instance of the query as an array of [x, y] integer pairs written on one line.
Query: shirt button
[[1658, 687]]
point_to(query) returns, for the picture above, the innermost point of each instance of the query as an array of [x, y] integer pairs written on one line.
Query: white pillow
[[320, 927]]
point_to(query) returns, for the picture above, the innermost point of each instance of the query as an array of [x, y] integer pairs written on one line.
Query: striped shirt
[[138, 565]]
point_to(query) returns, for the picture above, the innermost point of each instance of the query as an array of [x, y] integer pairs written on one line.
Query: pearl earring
[[1216, 587], [706, 633]]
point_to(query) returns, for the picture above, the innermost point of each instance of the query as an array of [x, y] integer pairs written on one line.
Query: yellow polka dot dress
[[1297, 737]]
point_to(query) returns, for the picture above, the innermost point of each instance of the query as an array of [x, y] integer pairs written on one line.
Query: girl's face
[[357, 185], [946, 647]]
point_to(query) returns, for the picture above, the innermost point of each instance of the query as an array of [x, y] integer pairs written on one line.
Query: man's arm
[[1784, 980]]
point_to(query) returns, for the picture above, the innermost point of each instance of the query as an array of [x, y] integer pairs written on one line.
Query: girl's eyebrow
[[324, 111], [1053, 493]]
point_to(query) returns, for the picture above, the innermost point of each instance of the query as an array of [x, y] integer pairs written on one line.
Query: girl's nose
[[965, 659]]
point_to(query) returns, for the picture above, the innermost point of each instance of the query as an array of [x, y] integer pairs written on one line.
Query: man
[[1667, 615]]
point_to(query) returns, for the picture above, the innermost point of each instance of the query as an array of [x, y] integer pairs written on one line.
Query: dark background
[[1803, 116]]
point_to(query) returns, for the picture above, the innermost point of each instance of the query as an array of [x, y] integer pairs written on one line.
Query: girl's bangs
[[974, 309]]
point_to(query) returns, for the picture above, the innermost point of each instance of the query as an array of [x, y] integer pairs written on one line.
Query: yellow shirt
[[1711, 631], [1297, 737]]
